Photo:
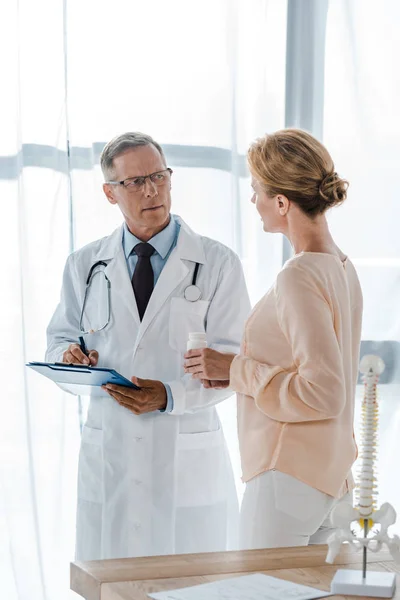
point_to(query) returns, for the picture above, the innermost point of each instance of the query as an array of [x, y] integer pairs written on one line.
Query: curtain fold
[[203, 80], [361, 130]]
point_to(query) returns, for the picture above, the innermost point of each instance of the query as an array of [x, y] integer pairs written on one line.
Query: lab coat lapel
[[189, 250], [122, 296], [173, 273], [117, 272]]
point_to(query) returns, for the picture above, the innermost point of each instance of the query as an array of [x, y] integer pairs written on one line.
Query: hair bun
[[333, 189], [294, 163]]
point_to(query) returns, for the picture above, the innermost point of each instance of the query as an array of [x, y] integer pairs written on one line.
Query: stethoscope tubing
[[196, 292]]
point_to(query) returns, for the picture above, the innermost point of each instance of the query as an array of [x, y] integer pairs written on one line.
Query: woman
[[297, 370]]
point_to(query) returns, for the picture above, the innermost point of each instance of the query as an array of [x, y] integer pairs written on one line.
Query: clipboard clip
[[71, 367]]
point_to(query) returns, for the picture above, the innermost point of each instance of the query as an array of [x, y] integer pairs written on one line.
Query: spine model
[[372, 523], [366, 491]]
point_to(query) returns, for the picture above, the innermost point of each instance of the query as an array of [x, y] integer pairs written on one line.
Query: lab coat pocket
[[90, 465], [201, 468], [185, 317]]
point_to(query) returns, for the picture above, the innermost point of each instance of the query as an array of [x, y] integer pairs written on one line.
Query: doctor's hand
[[74, 355], [151, 396], [209, 364]]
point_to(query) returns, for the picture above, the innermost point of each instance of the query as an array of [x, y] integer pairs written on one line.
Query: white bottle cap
[[196, 340], [193, 335]]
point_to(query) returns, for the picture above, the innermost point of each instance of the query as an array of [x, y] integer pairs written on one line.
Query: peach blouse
[[297, 372]]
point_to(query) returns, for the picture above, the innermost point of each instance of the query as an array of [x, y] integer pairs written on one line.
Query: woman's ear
[[283, 205]]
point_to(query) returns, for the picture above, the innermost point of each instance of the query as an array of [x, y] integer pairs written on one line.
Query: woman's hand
[[209, 364], [215, 384]]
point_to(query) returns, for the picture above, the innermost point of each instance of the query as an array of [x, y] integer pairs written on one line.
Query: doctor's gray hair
[[122, 143]]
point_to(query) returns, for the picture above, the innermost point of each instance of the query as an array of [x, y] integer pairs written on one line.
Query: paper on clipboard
[[249, 587]]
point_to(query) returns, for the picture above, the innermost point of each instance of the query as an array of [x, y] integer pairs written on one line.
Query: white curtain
[[203, 79], [362, 131]]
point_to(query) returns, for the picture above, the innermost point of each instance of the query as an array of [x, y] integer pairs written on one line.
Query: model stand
[[372, 524]]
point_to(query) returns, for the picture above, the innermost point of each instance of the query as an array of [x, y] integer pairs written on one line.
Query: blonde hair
[[295, 164]]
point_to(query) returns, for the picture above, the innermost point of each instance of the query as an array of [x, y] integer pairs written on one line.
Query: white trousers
[[280, 511]]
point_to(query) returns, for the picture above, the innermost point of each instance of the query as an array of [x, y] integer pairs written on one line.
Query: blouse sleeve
[[314, 389]]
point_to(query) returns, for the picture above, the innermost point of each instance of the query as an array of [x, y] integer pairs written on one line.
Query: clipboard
[[81, 380]]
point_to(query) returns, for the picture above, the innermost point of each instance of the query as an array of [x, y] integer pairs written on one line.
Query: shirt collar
[[161, 242]]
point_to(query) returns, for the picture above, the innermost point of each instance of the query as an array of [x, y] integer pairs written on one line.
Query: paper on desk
[[248, 587]]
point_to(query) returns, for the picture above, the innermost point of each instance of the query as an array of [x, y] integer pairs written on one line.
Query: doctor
[[154, 472]]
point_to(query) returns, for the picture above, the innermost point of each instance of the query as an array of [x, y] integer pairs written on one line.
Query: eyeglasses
[[136, 184]]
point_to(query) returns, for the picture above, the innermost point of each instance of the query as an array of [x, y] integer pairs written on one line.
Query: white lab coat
[[157, 483]]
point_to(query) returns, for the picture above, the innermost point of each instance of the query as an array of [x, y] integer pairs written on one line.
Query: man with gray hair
[[154, 472]]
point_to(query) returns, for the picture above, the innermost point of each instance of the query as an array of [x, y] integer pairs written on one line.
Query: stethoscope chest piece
[[192, 293]]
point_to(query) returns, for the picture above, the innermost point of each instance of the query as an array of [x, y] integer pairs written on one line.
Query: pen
[[83, 346]]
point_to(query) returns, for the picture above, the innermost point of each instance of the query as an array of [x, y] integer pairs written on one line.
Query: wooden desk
[[133, 578]]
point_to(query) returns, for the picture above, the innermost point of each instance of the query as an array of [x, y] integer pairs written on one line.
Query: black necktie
[[143, 276]]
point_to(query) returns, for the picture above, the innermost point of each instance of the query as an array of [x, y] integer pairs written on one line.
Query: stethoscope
[[192, 293], [91, 275]]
